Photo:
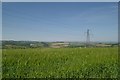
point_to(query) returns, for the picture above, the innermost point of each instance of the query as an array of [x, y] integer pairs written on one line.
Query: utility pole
[[88, 38]]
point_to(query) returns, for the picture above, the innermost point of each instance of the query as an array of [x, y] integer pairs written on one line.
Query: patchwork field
[[62, 62]]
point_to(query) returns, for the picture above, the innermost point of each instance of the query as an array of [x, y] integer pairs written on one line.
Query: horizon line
[[56, 41]]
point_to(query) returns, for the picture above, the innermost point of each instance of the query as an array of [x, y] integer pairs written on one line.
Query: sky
[[0, 21], [60, 0], [52, 21]]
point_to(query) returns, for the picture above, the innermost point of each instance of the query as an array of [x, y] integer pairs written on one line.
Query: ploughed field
[[62, 62]]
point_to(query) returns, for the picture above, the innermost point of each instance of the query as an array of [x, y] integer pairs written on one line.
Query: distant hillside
[[36, 44], [23, 44]]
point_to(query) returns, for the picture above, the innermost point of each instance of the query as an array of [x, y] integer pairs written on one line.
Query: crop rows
[[63, 62]]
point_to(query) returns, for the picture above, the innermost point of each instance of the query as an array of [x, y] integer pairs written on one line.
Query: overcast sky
[[60, 21]]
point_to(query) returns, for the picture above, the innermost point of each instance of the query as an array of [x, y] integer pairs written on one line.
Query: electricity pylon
[[88, 38]]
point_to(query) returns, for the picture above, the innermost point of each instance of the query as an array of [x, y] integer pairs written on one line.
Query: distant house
[[32, 44]]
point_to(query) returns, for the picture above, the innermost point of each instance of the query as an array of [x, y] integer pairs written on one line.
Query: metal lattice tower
[[88, 38]]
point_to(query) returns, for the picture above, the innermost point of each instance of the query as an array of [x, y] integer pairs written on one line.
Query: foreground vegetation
[[63, 62]]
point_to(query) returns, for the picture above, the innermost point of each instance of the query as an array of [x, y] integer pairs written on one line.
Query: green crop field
[[62, 62]]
